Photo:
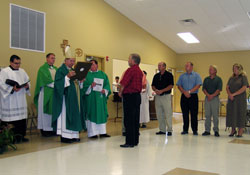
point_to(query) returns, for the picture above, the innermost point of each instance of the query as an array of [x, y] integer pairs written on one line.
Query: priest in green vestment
[[65, 112], [95, 92], [44, 94]]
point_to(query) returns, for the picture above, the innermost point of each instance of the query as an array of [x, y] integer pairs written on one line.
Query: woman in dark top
[[237, 104]]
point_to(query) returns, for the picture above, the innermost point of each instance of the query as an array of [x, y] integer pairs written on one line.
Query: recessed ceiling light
[[188, 37]]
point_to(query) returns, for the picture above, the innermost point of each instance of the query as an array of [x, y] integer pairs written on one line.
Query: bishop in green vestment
[[95, 92], [65, 113], [44, 94]]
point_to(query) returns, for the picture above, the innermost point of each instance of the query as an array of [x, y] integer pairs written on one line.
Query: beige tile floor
[[155, 155], [182, 171], [38, 143], [240, 141]]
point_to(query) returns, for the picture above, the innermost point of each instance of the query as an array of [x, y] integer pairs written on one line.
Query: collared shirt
[[115, 87], [212, 85], [13, 68], [161, 81], [132, 80], [52, 71], [189, 81]]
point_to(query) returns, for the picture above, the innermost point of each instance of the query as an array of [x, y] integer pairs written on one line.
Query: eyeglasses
[[17, 63]]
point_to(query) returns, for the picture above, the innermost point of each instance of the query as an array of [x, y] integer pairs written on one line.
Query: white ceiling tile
[[221, 25]]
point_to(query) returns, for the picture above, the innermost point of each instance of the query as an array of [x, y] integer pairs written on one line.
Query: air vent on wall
[[27, 29], [187, 22]]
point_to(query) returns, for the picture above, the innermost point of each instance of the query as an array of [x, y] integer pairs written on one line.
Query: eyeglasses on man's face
[[17, 63]]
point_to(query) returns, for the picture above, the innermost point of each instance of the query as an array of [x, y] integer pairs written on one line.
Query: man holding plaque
[[66, 118], [95, 93]]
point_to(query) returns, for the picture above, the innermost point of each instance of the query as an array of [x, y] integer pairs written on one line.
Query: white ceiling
[[222, 25]]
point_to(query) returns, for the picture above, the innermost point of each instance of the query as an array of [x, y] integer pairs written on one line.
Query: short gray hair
[[136, 58]]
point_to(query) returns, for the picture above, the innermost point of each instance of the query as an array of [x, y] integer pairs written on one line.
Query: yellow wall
[[224, 61], [98, 29], [91, 25]]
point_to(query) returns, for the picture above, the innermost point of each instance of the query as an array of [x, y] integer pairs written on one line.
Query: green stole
[[73, 119], [43, 79], [95, 104]]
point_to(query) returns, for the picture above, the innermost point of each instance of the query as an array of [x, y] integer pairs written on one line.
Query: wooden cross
[[64, 44]]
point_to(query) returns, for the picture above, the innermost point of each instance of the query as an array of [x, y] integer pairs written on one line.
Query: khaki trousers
[[212, 109], [164, 112]]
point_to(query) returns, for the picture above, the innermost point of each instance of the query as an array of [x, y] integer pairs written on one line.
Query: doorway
[[99, 59]]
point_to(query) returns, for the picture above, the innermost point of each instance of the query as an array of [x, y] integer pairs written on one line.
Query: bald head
[[162, 66], [189, 67]]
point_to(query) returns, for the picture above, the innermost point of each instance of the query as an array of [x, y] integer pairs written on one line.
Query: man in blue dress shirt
[[189, 84]]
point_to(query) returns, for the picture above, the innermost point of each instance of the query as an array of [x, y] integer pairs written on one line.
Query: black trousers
[[116, 97], [131, 105], [190, 105], [20, 127]]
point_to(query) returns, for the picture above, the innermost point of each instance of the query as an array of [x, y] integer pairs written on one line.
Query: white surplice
[[95, 129], [44, 121], [13, 105], [144, 108], [61, 121]]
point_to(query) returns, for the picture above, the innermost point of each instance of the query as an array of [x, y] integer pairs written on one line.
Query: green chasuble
[[43, 79], [95, 106], [73, 119]]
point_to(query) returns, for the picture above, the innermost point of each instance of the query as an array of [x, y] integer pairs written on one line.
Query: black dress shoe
[[205, 133], [25, 139], [17, 140], [143, 126], [104, 135], [184, 132], [169, 133], [53, 133], [126, 146], [65, 140], [232, 134], [160, 133], [216, 134], [44, 133], [48, 133], [94, 137], [76, 140], [195, 133], [239, 136]]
